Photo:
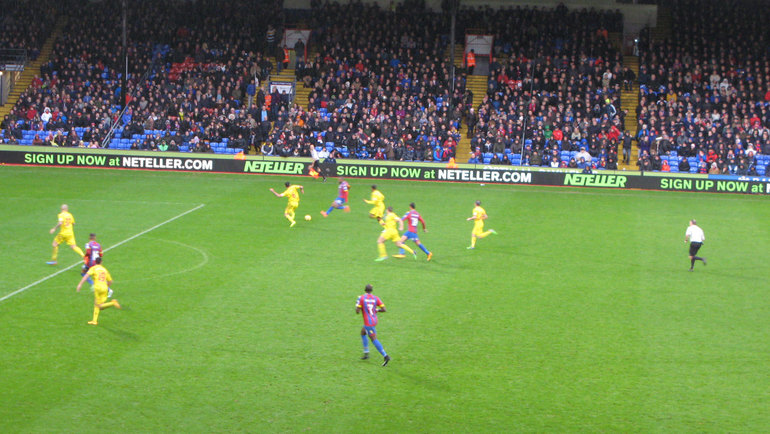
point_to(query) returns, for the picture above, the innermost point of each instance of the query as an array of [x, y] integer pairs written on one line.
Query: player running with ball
[[341, 202]]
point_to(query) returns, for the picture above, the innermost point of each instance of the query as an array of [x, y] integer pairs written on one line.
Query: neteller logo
[[586, 180], [288, 167]]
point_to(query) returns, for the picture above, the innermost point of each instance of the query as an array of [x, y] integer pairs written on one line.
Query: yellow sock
[[407, 248], [483, 234], [78, 250], [96, 313], [108, 304], [473, 241], [55, 252], [290, 218], [381, 249]]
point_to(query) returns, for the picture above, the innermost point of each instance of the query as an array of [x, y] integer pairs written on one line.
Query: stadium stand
[[554, 89], [703, 92], [26, 25], [75, 100], [379, 87]]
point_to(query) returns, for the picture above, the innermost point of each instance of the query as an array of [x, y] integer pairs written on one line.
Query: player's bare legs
[[381, 248], [55, 253], [401, 245], [98, 307], [365, 341]]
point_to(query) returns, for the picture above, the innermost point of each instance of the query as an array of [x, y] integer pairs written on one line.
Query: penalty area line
[[20, 290]]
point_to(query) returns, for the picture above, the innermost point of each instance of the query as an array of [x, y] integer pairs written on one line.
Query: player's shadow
[[422, 381], [122, 334]]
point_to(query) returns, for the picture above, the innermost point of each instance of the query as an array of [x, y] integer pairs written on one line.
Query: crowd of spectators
[[381, 85], [80, 85], [26, 25], [554, 89], [704, 92], [214, 99]]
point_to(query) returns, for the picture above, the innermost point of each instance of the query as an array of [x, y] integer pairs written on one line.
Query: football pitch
[[579, 316]]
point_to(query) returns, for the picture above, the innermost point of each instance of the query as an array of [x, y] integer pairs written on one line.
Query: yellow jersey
[[390, 222], [478, 214], [292, 193], [66, 221], [101, 277], [377, 199]]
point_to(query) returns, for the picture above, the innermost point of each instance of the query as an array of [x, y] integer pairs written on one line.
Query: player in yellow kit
[[292, 195], [478, 217], [390, 233], [378, 200], [102, 282], [66, 234]]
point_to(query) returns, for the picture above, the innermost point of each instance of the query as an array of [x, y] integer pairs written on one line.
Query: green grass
[[579, 316]]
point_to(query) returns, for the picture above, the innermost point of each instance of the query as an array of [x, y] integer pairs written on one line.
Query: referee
[[695, 237]]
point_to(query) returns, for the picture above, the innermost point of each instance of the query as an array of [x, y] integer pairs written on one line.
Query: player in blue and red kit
[[369, 304], [412, 218], [341, 202], [93, 251]]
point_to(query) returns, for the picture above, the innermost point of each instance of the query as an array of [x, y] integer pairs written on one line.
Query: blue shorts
[[370, 330], [411, 236], [340, 201]]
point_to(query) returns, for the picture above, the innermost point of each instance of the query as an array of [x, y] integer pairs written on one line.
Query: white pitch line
[[20, 290]]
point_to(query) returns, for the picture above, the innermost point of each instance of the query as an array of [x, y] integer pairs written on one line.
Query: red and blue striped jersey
[[93, 251], [343, 190], [412, 218], [368, 304]]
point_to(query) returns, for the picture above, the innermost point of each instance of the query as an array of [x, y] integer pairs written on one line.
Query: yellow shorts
[[100, 296], [290, 208], [62, 239], [478, 229], [377, 211], [390, 235]]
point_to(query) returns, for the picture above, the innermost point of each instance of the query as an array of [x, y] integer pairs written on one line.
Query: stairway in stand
[[459, 54], [302, 92], [629, 99], [478, 85], [284, 75], [663, 27], [32, 69]]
